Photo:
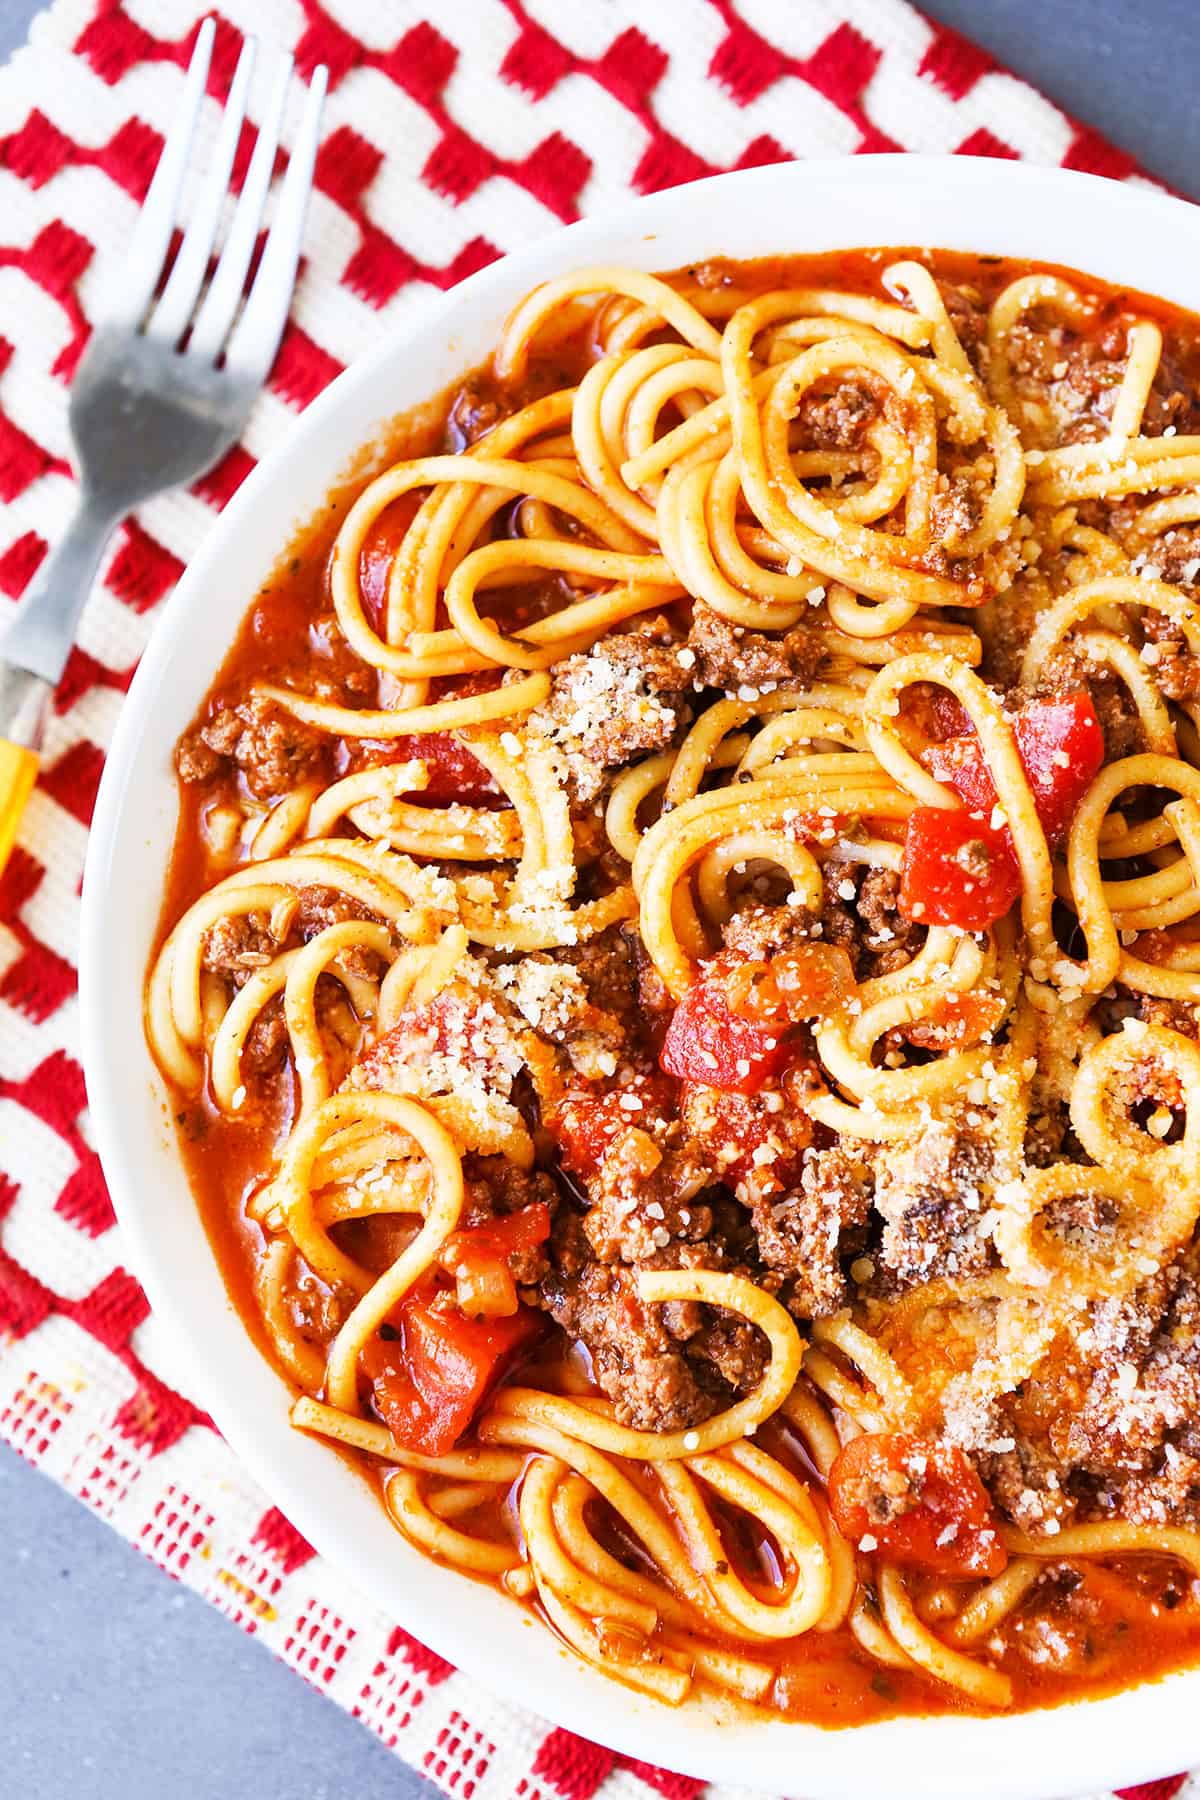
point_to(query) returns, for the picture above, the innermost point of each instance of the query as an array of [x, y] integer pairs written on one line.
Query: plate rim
[[1074, 1746]]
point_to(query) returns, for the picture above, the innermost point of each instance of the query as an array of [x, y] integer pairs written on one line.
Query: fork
[[168, 379]]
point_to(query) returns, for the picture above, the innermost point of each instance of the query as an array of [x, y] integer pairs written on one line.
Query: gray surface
[[115, 1683], [1130, 68]]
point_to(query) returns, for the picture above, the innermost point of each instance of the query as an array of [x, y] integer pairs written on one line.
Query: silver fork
[[154, 403]]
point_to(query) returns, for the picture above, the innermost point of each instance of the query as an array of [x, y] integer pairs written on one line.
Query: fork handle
[[24, 699], [42, 631]]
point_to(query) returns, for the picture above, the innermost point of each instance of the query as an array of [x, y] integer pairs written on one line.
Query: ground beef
[[266, 1043], [643, 1197], [1079, 376], [493, 1187], [1182, 1016], [194, 760], [731, 657], [838, 922], [338, 672], [1174, 400], [665, 1367], [956, 508], [476, 408], [1084, 1221], [1136, 1431], [761, 932], [1176, 667], [1068, 380], [1084, 396], [737, 1351], [930, 1193], [1048, 1126], [1023, 1474], [968, 315], [1006, 624], [1033, 354], [624, 697], [837, 419], [553, 997], [241, 944], [1068, 1629], [607, 966], [1119, 718], [651, 1203], [316, 1311], [237, 946], [1176, 555], [654, 1001], [318, 907], [1109, 1425], [584, 997], [878, 904], [805, 1235], [754, 1143], [860, 913], [634, 1357], [273, 751]]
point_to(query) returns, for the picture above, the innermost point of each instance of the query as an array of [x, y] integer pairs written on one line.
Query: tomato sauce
[[1087, 1628]]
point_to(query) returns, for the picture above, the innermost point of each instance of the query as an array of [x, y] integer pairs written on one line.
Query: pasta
[[681, 979]]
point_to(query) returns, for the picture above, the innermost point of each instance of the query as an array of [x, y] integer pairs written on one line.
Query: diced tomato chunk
[[709, 1043], [430, 1378], [448, 1022], [956, 870], [1156, 946], [498, 1239], [958, 1018], [813, 827], [743, 1141], [809, 981], [584, 1124], [462, 687], [1061, 745], [935, 711], [378, 554], [918, 1502], [455, 774]]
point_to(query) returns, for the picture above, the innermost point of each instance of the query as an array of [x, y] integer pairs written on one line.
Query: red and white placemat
[[453, 132]]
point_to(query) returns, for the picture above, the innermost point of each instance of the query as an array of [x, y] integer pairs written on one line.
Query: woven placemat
[[453, 132]]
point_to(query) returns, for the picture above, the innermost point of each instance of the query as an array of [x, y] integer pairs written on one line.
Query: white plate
[[1125, 234]]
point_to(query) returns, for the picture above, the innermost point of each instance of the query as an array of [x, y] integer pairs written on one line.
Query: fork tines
[[249, 344]]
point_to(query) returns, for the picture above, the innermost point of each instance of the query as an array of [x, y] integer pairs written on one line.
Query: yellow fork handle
[[18, 772]]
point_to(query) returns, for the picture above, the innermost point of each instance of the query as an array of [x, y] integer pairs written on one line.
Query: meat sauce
[[1087, 1628]]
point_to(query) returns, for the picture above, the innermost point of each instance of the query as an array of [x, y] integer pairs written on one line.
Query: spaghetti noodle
[[683, 937]]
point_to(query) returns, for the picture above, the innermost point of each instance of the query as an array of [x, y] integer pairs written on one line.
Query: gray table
[[118, 1685]]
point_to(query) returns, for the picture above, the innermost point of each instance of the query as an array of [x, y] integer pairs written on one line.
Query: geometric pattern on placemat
[[452, 134]]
